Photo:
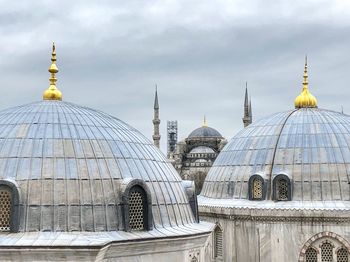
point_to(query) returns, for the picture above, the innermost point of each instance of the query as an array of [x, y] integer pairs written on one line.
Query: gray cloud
[[200, 53]]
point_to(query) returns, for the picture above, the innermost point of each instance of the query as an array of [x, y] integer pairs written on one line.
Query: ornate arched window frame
[[251, 180], [129, 184], [323, 237], [275, 183], [15, 198]]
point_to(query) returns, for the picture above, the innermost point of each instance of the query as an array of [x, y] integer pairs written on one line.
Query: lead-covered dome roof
[[69, 163], [205, 132], [310, 145]]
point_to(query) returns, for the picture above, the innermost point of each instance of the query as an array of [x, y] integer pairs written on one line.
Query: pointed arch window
[[218, 242]]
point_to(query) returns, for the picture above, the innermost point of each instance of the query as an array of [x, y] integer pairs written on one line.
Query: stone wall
[[274, 240]]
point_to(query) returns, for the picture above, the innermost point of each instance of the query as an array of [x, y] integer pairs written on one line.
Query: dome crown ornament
[[205, 123], [305, 99], [52, 93]]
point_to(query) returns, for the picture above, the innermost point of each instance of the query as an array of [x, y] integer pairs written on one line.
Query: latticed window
[[282, 189], [311, 255], [342, 255], [5, 209], [137, 208], [218, 239], [257, 191], [326, 252]]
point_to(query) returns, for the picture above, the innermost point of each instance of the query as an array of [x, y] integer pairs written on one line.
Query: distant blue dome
[[204, 131]]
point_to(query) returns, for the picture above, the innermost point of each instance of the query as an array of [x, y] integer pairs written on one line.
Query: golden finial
[[205, 124], [305, 99], [52, 93]]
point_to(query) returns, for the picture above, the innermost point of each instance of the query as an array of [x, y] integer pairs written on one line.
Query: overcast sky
[[200, 53]]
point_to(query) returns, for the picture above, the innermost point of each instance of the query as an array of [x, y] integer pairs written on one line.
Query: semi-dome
[[308, 145], [202, 150], [71, 164]]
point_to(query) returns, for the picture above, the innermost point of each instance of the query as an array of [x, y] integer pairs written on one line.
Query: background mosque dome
[[70, 164], [205, 131], [309, 145]]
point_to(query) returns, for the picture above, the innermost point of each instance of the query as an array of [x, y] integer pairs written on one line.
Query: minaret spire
[[156, 121], [52, 93], [247, 112]]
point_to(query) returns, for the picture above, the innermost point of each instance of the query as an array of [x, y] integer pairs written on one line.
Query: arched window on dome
[[282, 190], [9, 198], [256, 187], [137, 206], [311, 255]]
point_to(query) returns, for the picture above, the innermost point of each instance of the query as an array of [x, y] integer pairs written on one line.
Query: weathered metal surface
[[68, 162], [310, 145]]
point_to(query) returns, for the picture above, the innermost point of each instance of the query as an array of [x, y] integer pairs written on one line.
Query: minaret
[[52, 93], [156, 121], [247, 116]]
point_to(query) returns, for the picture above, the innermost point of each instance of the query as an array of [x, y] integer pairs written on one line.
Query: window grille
[[137, 206], [326, 252], [311, 255], [5, 209], [342, 255], [218, 242], [257, 188], [282, 189]]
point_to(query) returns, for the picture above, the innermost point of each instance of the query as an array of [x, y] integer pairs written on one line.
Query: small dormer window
[[137, 208], [9, 198], [256, 187], [5, 208], [282, 190]]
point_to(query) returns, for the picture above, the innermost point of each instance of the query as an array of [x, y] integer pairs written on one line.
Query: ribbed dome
[[68, 162], [310, 145], [204, 131]]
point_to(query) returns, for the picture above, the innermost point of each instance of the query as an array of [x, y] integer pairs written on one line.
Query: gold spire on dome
[[305, 99], [205, 124], [52, 93]]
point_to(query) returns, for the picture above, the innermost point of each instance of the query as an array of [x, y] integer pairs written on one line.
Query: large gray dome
[[69, 163], [309, 145], [205, 131]]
